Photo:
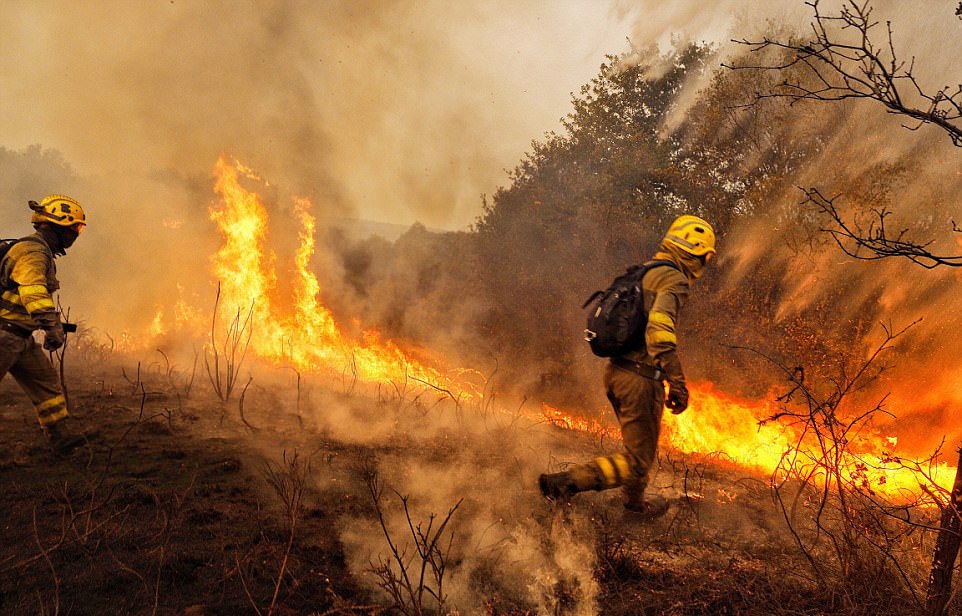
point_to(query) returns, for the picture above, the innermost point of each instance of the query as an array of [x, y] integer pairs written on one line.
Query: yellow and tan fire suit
[[635, 387], [28, 278]]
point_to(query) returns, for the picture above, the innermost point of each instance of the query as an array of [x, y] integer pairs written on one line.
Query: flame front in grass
[[741, 433], [290, 324]]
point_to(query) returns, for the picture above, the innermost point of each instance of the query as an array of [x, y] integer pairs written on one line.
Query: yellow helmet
[[693, 235], [59, 210]]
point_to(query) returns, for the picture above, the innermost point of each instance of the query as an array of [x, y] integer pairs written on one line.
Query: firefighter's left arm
[[670, 288], [671, 292], [29, 274]]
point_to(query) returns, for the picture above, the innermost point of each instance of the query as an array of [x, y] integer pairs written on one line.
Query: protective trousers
[[23, 358], [638, 403]]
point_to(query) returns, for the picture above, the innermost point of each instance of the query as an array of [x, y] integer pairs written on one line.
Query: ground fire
[[291, 326]]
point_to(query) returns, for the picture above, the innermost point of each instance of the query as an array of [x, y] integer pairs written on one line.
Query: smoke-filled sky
[[393, 111], [384, 110]]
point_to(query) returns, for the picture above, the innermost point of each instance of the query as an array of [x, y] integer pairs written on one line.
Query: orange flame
[[306, 336], [741, 431]]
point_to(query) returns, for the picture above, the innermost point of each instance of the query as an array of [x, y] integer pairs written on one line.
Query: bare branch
[[872, 240], [840, 61]]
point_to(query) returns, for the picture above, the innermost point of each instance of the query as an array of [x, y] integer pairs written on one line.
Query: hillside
[[177, 506]]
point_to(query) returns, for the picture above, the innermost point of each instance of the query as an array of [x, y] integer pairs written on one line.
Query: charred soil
[[180, 505]]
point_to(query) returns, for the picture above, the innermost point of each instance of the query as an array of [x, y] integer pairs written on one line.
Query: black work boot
[[557, 486], [647, 509], [62, 439]]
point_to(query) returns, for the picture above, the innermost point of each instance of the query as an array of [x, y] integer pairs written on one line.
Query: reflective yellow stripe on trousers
[[52, 410], [614, 469]]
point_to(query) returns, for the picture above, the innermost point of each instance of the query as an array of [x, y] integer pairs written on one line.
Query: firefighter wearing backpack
[[28, 278], [635, 379]]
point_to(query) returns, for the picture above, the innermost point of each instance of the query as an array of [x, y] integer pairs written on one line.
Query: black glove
[[677, 398], [677, 389], [53, 337]]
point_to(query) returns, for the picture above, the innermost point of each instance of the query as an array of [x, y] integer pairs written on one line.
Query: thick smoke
[[388, 110], [871, 162], [503, 537], [380, 110]]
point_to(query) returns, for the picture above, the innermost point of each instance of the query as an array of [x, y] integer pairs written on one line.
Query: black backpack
[[617, 317]]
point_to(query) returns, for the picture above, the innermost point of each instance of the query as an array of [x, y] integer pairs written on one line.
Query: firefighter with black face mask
[[635, 381], [28, 279]]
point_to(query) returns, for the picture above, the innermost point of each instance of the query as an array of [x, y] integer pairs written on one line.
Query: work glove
[[53, 338], [54, 335], [677, 400]]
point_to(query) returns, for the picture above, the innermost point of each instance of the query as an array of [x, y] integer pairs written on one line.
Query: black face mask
[[67, 236], [58, 238]]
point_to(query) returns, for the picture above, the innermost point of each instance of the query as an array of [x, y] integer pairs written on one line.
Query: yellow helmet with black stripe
[[59, 210], [693, 235]]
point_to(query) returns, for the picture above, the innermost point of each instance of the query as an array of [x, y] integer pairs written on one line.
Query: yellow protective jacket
[[666, 291], [28, 279]]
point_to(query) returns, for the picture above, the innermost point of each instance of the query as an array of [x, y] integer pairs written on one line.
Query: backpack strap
[[593, 297], [660, 262], [8, 244]]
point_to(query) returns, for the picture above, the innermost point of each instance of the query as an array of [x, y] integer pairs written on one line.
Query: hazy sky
[[386, 110], [382, 109]]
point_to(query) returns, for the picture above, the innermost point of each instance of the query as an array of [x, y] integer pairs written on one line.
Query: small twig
[[46, 556], [240, 404]]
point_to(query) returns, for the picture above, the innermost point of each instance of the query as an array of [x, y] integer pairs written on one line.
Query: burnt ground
[[166, 510], [170, 509]]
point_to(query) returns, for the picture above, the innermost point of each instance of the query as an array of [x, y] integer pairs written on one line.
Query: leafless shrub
[[57, 357], [91, 347], [446, 393], [135, 383], [171, 512], [414, 581], [240, 405], [45, 553], [189, 381], [223, 361], [288, 480], [297, 404], [350, 386], [824, 477]]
